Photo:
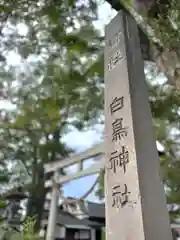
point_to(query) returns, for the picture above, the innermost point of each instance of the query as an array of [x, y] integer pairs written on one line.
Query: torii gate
[[96, 152]]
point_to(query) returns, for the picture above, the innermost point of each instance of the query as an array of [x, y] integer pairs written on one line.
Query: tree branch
[[85, 195]]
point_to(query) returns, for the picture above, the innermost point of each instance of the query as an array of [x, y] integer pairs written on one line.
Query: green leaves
[[27, 233], [2, 204], [55, 85], [3, 178], [28, 230]]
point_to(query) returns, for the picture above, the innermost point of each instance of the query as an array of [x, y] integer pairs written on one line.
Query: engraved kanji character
[[125, 195], [119, 131], [115, 40], [113, 60], [120, 198], [116, 195], [117, 57], [117, 104], [124, 158], [114, 160], [119, 159], [110, 64]]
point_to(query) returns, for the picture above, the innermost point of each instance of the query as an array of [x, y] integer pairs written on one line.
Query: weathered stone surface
[[135, 200]]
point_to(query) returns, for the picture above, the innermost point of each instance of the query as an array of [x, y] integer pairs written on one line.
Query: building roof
[[87, 208], [93, 209], [65, 218]]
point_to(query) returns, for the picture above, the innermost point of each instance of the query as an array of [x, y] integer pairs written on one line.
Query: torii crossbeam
[[96, 152]]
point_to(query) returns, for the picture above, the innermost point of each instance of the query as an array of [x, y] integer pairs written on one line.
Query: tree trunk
[[36, 201], [168, 62], [35, 207], [166, 56]]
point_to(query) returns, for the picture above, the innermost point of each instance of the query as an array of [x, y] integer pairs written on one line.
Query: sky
[[80, 141]]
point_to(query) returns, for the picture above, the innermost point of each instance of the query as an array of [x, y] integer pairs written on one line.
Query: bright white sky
[[80, 140]]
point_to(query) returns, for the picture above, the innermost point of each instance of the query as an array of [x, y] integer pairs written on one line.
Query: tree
[[160, 20], [55, 88]]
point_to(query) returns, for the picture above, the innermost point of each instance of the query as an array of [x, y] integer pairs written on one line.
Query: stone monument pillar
[[135, 201]]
